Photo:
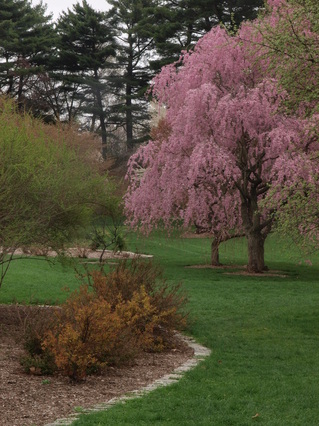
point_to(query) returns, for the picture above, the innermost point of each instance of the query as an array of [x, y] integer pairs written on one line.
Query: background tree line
[[94, 68]]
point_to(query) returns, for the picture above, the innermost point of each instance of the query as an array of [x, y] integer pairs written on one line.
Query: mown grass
[[263, 332], [37, 281]]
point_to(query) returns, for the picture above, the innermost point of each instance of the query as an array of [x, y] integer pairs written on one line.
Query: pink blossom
[[228, 145]]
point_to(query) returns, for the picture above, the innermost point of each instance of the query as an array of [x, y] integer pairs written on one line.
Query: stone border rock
[[200, 353], [83, 252]]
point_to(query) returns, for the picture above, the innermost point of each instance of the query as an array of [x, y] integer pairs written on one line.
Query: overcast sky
[[57, 6]]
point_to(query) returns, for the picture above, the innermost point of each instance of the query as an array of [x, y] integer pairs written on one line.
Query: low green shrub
[[39, 364]]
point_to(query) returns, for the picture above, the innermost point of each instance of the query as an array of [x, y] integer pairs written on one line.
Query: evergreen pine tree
[[27, 38], [85, 48], [133, 20], [180, 23]]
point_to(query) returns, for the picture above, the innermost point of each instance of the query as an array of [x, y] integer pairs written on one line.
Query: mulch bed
[[27, 400]]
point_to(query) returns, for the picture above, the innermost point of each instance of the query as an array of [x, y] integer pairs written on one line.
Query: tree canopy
[[286, 39], [224, 143], [285, 42], [57, 71], [180, 24], [130, 111]]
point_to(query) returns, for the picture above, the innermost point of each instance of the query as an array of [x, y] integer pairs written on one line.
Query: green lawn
[[263, 332], [38, 281]]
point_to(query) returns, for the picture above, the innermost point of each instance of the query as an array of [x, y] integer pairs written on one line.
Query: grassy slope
[[263, 332]]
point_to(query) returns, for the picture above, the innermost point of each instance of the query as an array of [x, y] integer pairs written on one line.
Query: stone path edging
[[200, 353]]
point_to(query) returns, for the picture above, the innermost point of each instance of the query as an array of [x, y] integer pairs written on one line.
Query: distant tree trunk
[[103, 130], [215, 252], [214, 257], [256, 229], [101, 117], [129, 118], [128, 97], [20, 92], [216, 244], [256, 243], [251, 188]]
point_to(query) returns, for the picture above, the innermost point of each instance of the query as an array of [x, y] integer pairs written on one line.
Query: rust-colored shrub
[[167, 301], [86, 330], [141, 317], [123, 312], [90, 335]]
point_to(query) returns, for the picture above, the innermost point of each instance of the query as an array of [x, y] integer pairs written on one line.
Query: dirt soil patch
[[27, 400], [240, 270]]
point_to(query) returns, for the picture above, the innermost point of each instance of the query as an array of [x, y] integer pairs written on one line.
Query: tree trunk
[[216, 244], [128, 97], [256, 261], [103, 135], [129, 118], [101, 117], [215, 252], [251, 188], [19, 94]]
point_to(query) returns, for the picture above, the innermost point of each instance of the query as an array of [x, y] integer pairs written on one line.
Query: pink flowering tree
[[222, 146], [285, 42]]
